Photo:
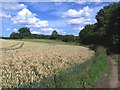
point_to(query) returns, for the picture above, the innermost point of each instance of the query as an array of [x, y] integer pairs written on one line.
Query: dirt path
[[110, 79]]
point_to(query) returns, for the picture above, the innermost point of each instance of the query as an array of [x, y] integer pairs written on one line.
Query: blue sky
[[44, 17]]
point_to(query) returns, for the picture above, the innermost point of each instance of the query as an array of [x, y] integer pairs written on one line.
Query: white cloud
[[78, 21], [81, 17], [96, 0], [86, 1], [80, 1], [72, 13], [29, 19], [74, 22], [35, 32], [78, 29], [8, 29], [48, 29], [12, 6], [15, 29], [3, 15], [39, 24]]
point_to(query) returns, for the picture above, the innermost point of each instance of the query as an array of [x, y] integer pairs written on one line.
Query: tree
[[25, 32], [15, 36], [113, 26], [86, 35], [106, 31], [54, 35], [68, 38]]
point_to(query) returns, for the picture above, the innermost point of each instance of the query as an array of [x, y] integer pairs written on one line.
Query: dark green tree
[[87, 35], [68, 38], [106, 31], [113, 27], [15, 36], [54, 35], [25, 32]]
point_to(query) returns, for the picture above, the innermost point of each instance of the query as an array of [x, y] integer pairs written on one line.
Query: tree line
[[24, 33], [106, 31]]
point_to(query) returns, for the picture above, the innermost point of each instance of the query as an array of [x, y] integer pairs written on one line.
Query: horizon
[[44, 17]]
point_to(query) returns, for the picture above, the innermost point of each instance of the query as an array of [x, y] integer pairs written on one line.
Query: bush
[[68, 38], [93, 47]]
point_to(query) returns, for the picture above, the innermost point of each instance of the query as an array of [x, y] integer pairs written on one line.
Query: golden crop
[[7, 43], [37, 60]]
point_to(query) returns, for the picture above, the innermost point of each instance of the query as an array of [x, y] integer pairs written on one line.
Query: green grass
[[95, 71], [48, 41]]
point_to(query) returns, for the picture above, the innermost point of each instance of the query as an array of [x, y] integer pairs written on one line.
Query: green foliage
[[106, 31], [15, 36], [24, 32], [93, 47], [87, 35], [36, 36], [68, 38], [54, 35]]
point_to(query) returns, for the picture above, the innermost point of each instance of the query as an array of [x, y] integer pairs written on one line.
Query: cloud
[[72, 13], [48, 29], [96, 0], [74, 22], [80, 21], [12, 6], [3, 15], [35, 32], [78, 29], [15, 29], [8, 29], [80, 1], [29, 19], [39, 24], [82, 17], [86, 1]]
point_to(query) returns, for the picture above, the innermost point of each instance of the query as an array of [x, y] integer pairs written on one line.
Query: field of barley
[[27, 62]]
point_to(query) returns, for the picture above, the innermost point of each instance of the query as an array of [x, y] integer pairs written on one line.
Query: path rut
[[110, 79]]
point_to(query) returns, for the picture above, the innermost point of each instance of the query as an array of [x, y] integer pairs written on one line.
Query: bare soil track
[[110, 78]]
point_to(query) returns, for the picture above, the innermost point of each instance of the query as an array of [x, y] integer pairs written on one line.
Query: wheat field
[[33, 61]]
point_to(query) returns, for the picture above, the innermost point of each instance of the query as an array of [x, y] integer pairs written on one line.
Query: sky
[[44, 17]]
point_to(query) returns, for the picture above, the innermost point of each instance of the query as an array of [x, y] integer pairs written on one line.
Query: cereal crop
[[33, 61]]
